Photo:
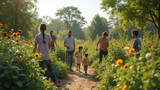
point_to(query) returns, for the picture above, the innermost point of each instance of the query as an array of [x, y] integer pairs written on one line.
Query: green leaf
[[19, 83]]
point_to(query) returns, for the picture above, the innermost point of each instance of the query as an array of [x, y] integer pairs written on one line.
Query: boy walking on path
[[104, 44], [136, 43], [69, 43], [86, 63]]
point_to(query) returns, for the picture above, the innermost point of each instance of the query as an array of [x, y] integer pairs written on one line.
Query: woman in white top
[[43, 41]]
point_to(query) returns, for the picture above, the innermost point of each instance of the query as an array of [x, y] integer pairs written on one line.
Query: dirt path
[[78, 81]]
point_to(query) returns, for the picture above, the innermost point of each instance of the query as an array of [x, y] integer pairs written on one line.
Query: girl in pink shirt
[[78, 56]]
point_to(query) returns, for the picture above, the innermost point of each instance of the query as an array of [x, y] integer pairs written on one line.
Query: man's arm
[[97, 45]]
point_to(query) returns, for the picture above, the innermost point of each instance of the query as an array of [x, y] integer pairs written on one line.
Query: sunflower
[[18, 33], [5, 34], [14, 34], [125, 66], [142, 63], [122, 47], [1, 24], [149, 49], [152, 46], [36, 55], [17, 40], [131, 50], [124, 87], [10, 32], [119, 62], [18, 58], [31, 42]]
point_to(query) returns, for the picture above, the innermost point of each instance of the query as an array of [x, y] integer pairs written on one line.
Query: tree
[[135, 12], [98, 25], [17, 14], [72, 20]]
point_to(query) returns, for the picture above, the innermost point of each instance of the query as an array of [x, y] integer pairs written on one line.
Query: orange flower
[[36, 55], [17, 40], [124, 87], [149, 49], [24, 41], [18, 58], [144, 40], [18, 33], [7, 57], [125, 66], [119, 62], [152, 46], [122, 47], [41, 54], [31, 42], [146, 78], [1, 24], [142, 62], [14, 34], [10, 32], [5, 34], [131, 50], [112, 57]]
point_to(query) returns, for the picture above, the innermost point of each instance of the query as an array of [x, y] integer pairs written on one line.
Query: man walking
[[69, 43], [53, 42], [104, 44]]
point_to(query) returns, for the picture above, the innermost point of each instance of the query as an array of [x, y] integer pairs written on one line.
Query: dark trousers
[[69, 58], [101, 54], [49, 67]]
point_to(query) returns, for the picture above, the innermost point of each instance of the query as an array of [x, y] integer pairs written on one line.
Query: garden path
[[78, 81]]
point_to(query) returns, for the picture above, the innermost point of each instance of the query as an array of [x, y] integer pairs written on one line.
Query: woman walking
[[43, 41]]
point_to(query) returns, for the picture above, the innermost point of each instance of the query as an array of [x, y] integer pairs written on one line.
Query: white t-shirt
[[43, 48], [69, 43]]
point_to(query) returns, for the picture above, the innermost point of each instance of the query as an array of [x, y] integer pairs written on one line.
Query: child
[[20, 36], [86, 63], [78, 56], [136, 43]]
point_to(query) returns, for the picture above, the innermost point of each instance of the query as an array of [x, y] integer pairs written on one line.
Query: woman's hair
[[42, 29]]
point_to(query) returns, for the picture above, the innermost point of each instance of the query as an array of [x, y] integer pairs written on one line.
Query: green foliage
[[138, 75], [19, 69], [134, 12], [18, 15], [62, 34], [72, 20], [98, 25]]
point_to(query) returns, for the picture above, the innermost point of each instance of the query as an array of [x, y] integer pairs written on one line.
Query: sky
[[89, 8]]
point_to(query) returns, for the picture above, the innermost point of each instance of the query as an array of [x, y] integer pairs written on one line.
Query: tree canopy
[[98, 25], [17, 14], [134, 12]]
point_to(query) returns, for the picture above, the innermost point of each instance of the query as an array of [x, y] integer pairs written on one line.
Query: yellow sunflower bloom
[[14, 34], [36, 55], [124, 87], [5, 34], [131, 50], [125, 66], [119, 62]]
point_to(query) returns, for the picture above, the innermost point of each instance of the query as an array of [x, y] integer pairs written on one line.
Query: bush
[[19, 69]]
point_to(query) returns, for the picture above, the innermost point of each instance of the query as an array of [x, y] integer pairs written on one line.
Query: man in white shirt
[[69, 43]]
